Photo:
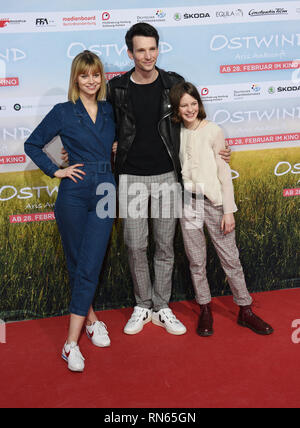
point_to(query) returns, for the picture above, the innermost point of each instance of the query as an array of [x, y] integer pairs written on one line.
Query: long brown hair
[[177, 92]]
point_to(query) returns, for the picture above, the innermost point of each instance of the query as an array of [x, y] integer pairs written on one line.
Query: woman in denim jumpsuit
[[86, 127]]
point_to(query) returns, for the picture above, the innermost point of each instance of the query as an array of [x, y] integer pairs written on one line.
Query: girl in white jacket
[[208, 183]]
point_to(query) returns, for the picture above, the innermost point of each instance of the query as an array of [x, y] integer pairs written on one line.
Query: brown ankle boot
[[248, 319], [205, 324]]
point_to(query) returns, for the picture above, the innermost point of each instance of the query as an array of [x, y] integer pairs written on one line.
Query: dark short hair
[[140, 29], [177, 93]]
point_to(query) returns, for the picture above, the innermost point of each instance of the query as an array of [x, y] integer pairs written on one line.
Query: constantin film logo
[[268, 12]]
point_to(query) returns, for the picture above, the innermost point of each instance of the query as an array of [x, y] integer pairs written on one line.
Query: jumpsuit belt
[[99, 167]]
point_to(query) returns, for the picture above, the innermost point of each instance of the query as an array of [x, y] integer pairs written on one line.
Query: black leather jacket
[[118, 96]]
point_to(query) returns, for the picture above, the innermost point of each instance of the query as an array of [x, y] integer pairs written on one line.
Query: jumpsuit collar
[[86, 120]]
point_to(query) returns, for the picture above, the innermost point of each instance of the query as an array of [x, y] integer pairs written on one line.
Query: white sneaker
[[139, 318], [98, 334], [72, 355], [165, 318]]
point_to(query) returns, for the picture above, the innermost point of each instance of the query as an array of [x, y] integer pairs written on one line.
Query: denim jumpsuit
[[84, 233]]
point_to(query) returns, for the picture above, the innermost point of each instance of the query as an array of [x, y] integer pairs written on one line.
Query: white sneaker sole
[[132, 332], [175, 332], [72, 369]]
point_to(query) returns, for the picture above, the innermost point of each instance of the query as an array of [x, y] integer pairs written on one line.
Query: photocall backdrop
[[243, 57]]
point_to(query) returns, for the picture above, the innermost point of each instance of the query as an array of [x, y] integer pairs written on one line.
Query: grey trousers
[[135, 193], [225, 245]]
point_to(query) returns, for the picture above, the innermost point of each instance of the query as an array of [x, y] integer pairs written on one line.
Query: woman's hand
[[226, 154], [65, 156], [70, 172], [228, 223], [114, 147]]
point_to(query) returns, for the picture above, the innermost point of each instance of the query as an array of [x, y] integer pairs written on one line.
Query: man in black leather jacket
[[147, 155], [118, 95]]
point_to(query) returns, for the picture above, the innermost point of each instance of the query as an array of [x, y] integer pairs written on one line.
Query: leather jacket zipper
[[161, 136]]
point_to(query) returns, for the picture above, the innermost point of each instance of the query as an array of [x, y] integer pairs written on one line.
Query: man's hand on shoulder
[[226, 154]]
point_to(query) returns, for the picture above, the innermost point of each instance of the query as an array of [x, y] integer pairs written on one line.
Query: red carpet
[[233, 368]]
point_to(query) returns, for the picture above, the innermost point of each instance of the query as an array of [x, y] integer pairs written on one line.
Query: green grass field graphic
[[33, 275]]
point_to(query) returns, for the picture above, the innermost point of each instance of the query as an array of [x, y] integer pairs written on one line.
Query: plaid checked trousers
[[135, 193], [225, 246]]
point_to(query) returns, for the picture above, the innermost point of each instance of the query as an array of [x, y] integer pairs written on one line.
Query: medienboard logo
[[9, 81], [79, 20]]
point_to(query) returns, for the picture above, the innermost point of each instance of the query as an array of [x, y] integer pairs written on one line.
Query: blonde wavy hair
[[84, 62]]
